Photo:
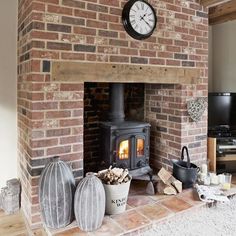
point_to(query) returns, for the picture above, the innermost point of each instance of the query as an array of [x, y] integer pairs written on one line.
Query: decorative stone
[[56, 192], [196, 108], [89, 203], [10, 197], [51, 18]]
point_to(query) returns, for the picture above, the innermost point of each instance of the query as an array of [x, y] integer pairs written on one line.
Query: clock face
[[139, 19], [142, 17]]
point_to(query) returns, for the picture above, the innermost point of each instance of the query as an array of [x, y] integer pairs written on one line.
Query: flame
[[124, 150], [140, 147]]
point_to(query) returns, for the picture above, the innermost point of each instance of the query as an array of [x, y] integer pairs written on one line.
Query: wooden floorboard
[[12, 225]]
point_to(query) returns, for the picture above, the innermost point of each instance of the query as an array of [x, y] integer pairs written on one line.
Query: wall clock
[[139, 19]]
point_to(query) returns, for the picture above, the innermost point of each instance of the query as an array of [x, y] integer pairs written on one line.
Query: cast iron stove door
[[131, 151], [140, 152], [123, 152]]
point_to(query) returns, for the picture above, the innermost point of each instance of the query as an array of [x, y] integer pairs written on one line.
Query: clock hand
[[142, 17], [146, 22]]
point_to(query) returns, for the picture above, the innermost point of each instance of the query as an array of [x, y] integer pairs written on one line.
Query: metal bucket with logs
[[116, 182]]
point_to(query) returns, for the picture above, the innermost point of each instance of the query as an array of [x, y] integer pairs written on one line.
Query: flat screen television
[[222, 111]]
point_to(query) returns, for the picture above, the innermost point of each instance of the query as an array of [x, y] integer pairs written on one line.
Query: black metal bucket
[[185, 171]]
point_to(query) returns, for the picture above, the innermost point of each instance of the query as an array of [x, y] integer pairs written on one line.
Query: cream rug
[[219, 220]]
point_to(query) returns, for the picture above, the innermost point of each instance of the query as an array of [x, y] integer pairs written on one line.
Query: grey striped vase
[[56, 192], [89, 203]]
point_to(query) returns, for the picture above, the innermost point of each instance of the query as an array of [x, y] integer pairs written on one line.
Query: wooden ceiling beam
[[211, 3], [222, 13], [222, 19]]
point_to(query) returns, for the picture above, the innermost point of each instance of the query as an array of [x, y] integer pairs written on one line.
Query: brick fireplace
[[63, 44]]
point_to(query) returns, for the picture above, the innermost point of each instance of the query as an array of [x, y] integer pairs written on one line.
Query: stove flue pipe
[[116, 102]]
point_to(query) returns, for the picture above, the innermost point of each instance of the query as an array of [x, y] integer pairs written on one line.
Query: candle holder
[[227, 184]]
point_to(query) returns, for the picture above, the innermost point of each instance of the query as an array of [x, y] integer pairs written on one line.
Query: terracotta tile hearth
[[142, 211], [175, 204], [155, 213], [131, 220]]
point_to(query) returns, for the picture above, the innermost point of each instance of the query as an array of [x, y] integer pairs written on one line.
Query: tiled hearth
[[149, 210], [142, 212]]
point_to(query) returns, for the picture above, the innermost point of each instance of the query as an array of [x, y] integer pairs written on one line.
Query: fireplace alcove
[[96, 114], [158, 84]]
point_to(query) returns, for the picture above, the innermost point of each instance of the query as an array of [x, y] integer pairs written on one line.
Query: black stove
[[124, 144]]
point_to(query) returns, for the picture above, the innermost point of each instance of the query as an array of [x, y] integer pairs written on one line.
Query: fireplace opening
[[97, 110], [124, 143]]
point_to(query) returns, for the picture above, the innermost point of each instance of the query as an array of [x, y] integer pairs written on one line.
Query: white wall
[[224, 57], [8, 82]]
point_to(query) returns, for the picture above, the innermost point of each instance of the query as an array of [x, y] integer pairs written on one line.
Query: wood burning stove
[[124, 144]]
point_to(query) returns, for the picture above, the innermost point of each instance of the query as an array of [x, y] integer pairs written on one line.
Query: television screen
[[222, 110]]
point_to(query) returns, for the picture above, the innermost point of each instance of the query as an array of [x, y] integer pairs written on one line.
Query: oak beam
[[222, 19], [211, 3], [222, 13], [125, 73]]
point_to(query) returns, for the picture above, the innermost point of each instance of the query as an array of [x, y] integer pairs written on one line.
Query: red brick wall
[[171, 126], [50, 114]]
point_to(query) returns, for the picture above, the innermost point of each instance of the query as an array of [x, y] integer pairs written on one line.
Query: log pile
[[167, 183], [114, 176]]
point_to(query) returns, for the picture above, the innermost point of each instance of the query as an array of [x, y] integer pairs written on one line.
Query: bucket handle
[[182, 155]]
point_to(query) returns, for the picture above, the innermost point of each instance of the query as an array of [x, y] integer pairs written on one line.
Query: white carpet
[[219, 220]]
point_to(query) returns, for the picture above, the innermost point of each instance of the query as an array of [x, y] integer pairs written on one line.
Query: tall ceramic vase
[[89, 203], [56, 192]]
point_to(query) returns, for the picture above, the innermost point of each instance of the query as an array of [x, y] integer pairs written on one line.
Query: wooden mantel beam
[[211, 3], [122, 73], [222, 13]]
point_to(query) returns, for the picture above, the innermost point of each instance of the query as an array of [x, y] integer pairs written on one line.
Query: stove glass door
[[139, 159], [123, 150], [140, 144]]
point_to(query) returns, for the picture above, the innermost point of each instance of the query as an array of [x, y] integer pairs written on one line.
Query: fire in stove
[[123, 152], [125, 144], [140, 147]]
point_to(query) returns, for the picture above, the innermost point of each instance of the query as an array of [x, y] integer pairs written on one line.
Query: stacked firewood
[[167, 183], [114, 176]]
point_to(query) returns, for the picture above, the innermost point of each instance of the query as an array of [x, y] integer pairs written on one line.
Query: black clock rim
[[127, 25]]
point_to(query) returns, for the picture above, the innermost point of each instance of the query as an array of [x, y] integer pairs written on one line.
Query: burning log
[[114, 176]]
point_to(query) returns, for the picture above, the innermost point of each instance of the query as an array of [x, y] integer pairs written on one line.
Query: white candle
[[203, 176], [207, 180], [211, 174], [214, 179], [204, 168], [221, 178]]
